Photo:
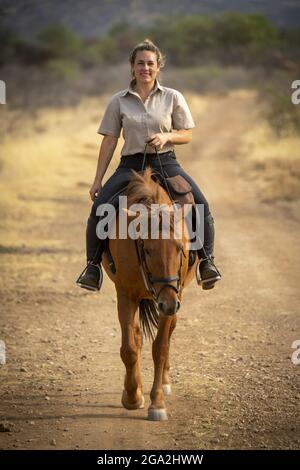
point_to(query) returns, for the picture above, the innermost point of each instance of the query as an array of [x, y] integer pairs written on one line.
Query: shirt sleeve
[[181, 116], [111, 122]]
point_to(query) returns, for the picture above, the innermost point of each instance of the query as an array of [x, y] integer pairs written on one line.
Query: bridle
[[150, 280]]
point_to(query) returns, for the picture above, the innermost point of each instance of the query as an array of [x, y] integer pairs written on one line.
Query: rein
[[162, 171]]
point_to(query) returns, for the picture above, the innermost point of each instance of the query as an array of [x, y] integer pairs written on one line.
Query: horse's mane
[[144, 190]]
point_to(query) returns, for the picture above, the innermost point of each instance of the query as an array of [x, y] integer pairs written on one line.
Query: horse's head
[[162, 247]]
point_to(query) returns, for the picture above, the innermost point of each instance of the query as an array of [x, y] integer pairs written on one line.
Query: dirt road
[[234, 384]]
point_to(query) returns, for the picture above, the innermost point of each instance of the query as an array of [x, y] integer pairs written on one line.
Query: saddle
[[178, 188]]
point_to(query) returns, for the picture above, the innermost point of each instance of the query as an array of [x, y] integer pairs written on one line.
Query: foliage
[[61, 41], [64, 69], [282, 115]]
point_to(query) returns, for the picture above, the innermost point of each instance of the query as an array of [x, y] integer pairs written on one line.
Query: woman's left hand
[[158, 140]]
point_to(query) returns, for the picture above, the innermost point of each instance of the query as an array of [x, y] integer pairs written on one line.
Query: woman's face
[[145, 67]]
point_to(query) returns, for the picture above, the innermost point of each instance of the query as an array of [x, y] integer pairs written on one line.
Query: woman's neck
[[143, 89]]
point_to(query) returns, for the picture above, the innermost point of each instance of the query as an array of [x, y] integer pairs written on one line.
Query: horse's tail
[[149, 316]]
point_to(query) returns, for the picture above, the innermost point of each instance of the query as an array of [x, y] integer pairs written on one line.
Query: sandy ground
[[234, 384]]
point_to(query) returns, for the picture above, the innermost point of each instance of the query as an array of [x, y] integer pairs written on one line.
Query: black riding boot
[[92, 276], [207, 273]]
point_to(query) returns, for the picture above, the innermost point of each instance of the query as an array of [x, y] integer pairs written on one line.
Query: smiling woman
[[156, 116]]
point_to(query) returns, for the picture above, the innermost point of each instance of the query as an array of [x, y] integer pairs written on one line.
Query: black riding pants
[[123, 173]]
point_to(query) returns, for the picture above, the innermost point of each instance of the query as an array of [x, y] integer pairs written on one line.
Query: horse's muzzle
[[169, 307]]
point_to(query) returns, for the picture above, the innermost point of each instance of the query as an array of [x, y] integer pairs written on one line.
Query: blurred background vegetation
[[229, 38], [205, 49]]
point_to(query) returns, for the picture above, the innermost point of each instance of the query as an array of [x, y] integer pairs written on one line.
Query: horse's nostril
[[178, 306], [161, 306]]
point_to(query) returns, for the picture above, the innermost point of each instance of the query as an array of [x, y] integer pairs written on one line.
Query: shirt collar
[[129, 89]]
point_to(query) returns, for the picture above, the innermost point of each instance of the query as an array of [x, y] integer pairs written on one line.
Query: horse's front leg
[[160, 348], [166, 377], [130, 352]]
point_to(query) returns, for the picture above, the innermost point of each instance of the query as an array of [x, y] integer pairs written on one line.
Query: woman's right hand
[[96, 188]]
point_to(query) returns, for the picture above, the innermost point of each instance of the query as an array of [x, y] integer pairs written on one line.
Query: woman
[[148, 113]]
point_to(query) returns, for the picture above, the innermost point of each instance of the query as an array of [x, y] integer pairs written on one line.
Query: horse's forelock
[[142, 188]]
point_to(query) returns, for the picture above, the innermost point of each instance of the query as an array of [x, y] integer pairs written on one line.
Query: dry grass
[[50, 152], [272, 163]]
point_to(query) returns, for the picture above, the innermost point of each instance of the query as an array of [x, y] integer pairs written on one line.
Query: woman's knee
[[197, 193], [112, 186]]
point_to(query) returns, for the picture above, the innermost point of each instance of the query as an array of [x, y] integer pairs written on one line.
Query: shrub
[[64, 69], [60, 41]]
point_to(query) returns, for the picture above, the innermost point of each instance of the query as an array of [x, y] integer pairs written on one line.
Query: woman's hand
[[95, 190], [158, 140]]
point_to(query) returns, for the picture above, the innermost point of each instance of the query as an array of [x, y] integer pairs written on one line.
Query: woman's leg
[[92, 276], [208, 272], [114, 184], [174, 170]]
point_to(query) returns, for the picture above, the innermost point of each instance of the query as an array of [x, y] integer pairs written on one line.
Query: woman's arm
[[106, 152], [182, 136]]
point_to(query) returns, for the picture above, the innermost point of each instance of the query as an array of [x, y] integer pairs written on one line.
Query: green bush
[[190, 39], [187, 40], [290, 39], [60, 41], [63, 69], [108, 49], [91, 54], [282, 115], [8, 41], [252, 30], [120, 39]]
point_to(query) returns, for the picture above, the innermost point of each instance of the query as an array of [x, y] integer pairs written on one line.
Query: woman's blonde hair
[[147, 45]]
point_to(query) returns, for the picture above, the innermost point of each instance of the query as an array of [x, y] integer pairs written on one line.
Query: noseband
[[150, 280]]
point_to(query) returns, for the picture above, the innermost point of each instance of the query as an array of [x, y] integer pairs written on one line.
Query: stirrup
[[86, 286], [211, 281]]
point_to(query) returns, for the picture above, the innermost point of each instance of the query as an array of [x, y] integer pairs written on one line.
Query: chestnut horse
[[149, 277]]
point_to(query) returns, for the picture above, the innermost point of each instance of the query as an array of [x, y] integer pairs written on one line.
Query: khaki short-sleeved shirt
[[164, 110]]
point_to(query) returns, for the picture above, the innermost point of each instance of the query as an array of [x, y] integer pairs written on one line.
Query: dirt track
[[234, 385]]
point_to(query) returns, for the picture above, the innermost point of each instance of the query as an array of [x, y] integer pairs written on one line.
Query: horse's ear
[[148, 173]]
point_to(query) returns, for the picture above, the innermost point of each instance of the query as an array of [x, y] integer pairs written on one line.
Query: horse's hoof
[[132, 406], [167, 389], [157, 414]]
